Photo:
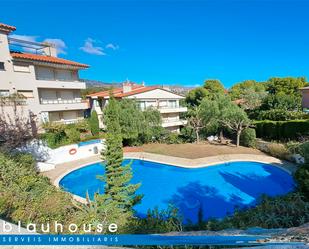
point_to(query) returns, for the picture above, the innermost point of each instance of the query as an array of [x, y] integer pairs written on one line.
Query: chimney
[[50, 49], [127, 86]]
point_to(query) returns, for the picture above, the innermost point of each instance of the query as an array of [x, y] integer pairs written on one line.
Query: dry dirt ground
[[193, 151]]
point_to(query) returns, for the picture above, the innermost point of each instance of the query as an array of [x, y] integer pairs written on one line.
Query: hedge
[[281, 130]]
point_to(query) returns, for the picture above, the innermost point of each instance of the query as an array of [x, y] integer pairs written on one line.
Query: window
[[44, 73], [172, 103], [2, 66], [4, 93], [26, 93], [24, 68], [142, 105]]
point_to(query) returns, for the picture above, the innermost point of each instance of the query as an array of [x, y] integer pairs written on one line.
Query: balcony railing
[[68, 121], [164, 107], [60, 79], [169, 120], [62, 101]]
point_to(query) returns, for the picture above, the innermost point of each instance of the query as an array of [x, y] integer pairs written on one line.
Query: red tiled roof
[[118, 92], [7, 27], [48, 59]]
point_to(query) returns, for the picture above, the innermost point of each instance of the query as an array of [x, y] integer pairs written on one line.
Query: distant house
[[156, 97], [305, 97]]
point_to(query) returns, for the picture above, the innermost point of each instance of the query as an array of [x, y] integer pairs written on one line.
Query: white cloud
[[112, 46], [91, 49], [60, 45]]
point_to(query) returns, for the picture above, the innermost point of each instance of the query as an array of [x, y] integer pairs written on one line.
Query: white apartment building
[[50, 85], [153, 96]]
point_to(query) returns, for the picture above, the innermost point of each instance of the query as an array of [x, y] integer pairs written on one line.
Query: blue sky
[[172, 42]]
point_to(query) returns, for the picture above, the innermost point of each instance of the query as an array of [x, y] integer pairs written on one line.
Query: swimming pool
[[215, 190]]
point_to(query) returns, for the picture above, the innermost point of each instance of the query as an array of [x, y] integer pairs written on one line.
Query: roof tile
[[7, 27], [48, 59], [118, 92]]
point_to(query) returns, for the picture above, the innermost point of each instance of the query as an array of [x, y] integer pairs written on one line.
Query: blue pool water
[[216, 189], [93, 141]]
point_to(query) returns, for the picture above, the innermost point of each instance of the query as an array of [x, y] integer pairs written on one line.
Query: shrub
[[278, 150], [57, 134], [94, 123], [187, 134], [281, 115], [29, 197], [72, 134], [54, 139], [293, 147], [281, 130], [302, 178], [304, 150], [172, 138], [157, 221], [248, 137]]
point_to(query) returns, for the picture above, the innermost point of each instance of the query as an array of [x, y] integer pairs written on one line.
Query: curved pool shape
[[215, 190]]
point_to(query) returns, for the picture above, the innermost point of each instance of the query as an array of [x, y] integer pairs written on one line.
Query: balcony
[[63, 104], [175, 109], [60, 84], [173, 122], [68, 121], [168, 109]]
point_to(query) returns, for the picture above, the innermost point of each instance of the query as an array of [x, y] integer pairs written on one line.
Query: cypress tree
[[94, 123], [118, 192]]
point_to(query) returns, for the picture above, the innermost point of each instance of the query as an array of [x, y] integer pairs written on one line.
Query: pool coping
[[186, 163]]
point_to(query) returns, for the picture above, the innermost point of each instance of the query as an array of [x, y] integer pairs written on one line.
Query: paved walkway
[[62, 169]]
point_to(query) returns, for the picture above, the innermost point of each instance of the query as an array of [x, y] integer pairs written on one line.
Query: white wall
[[48, 158]]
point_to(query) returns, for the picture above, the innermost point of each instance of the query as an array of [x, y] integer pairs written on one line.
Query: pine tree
[[118, 192]]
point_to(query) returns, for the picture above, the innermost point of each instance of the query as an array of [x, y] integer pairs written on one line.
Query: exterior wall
[[47, 88], [305, 99]]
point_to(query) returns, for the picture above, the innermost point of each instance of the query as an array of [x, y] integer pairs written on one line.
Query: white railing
[[68, 121], [59, 79], [61, 101], [163, 107], [169, 120]]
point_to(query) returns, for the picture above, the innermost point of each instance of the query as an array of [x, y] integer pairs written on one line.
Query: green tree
[[119, 194], [151, 129], [252, 99], [235, 119], [282, 101], [94, 123], [214, 88], [240, 89], [287, 85], [210, 113], [203, 116], [195, 96], [195, 121], [130, 120]]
